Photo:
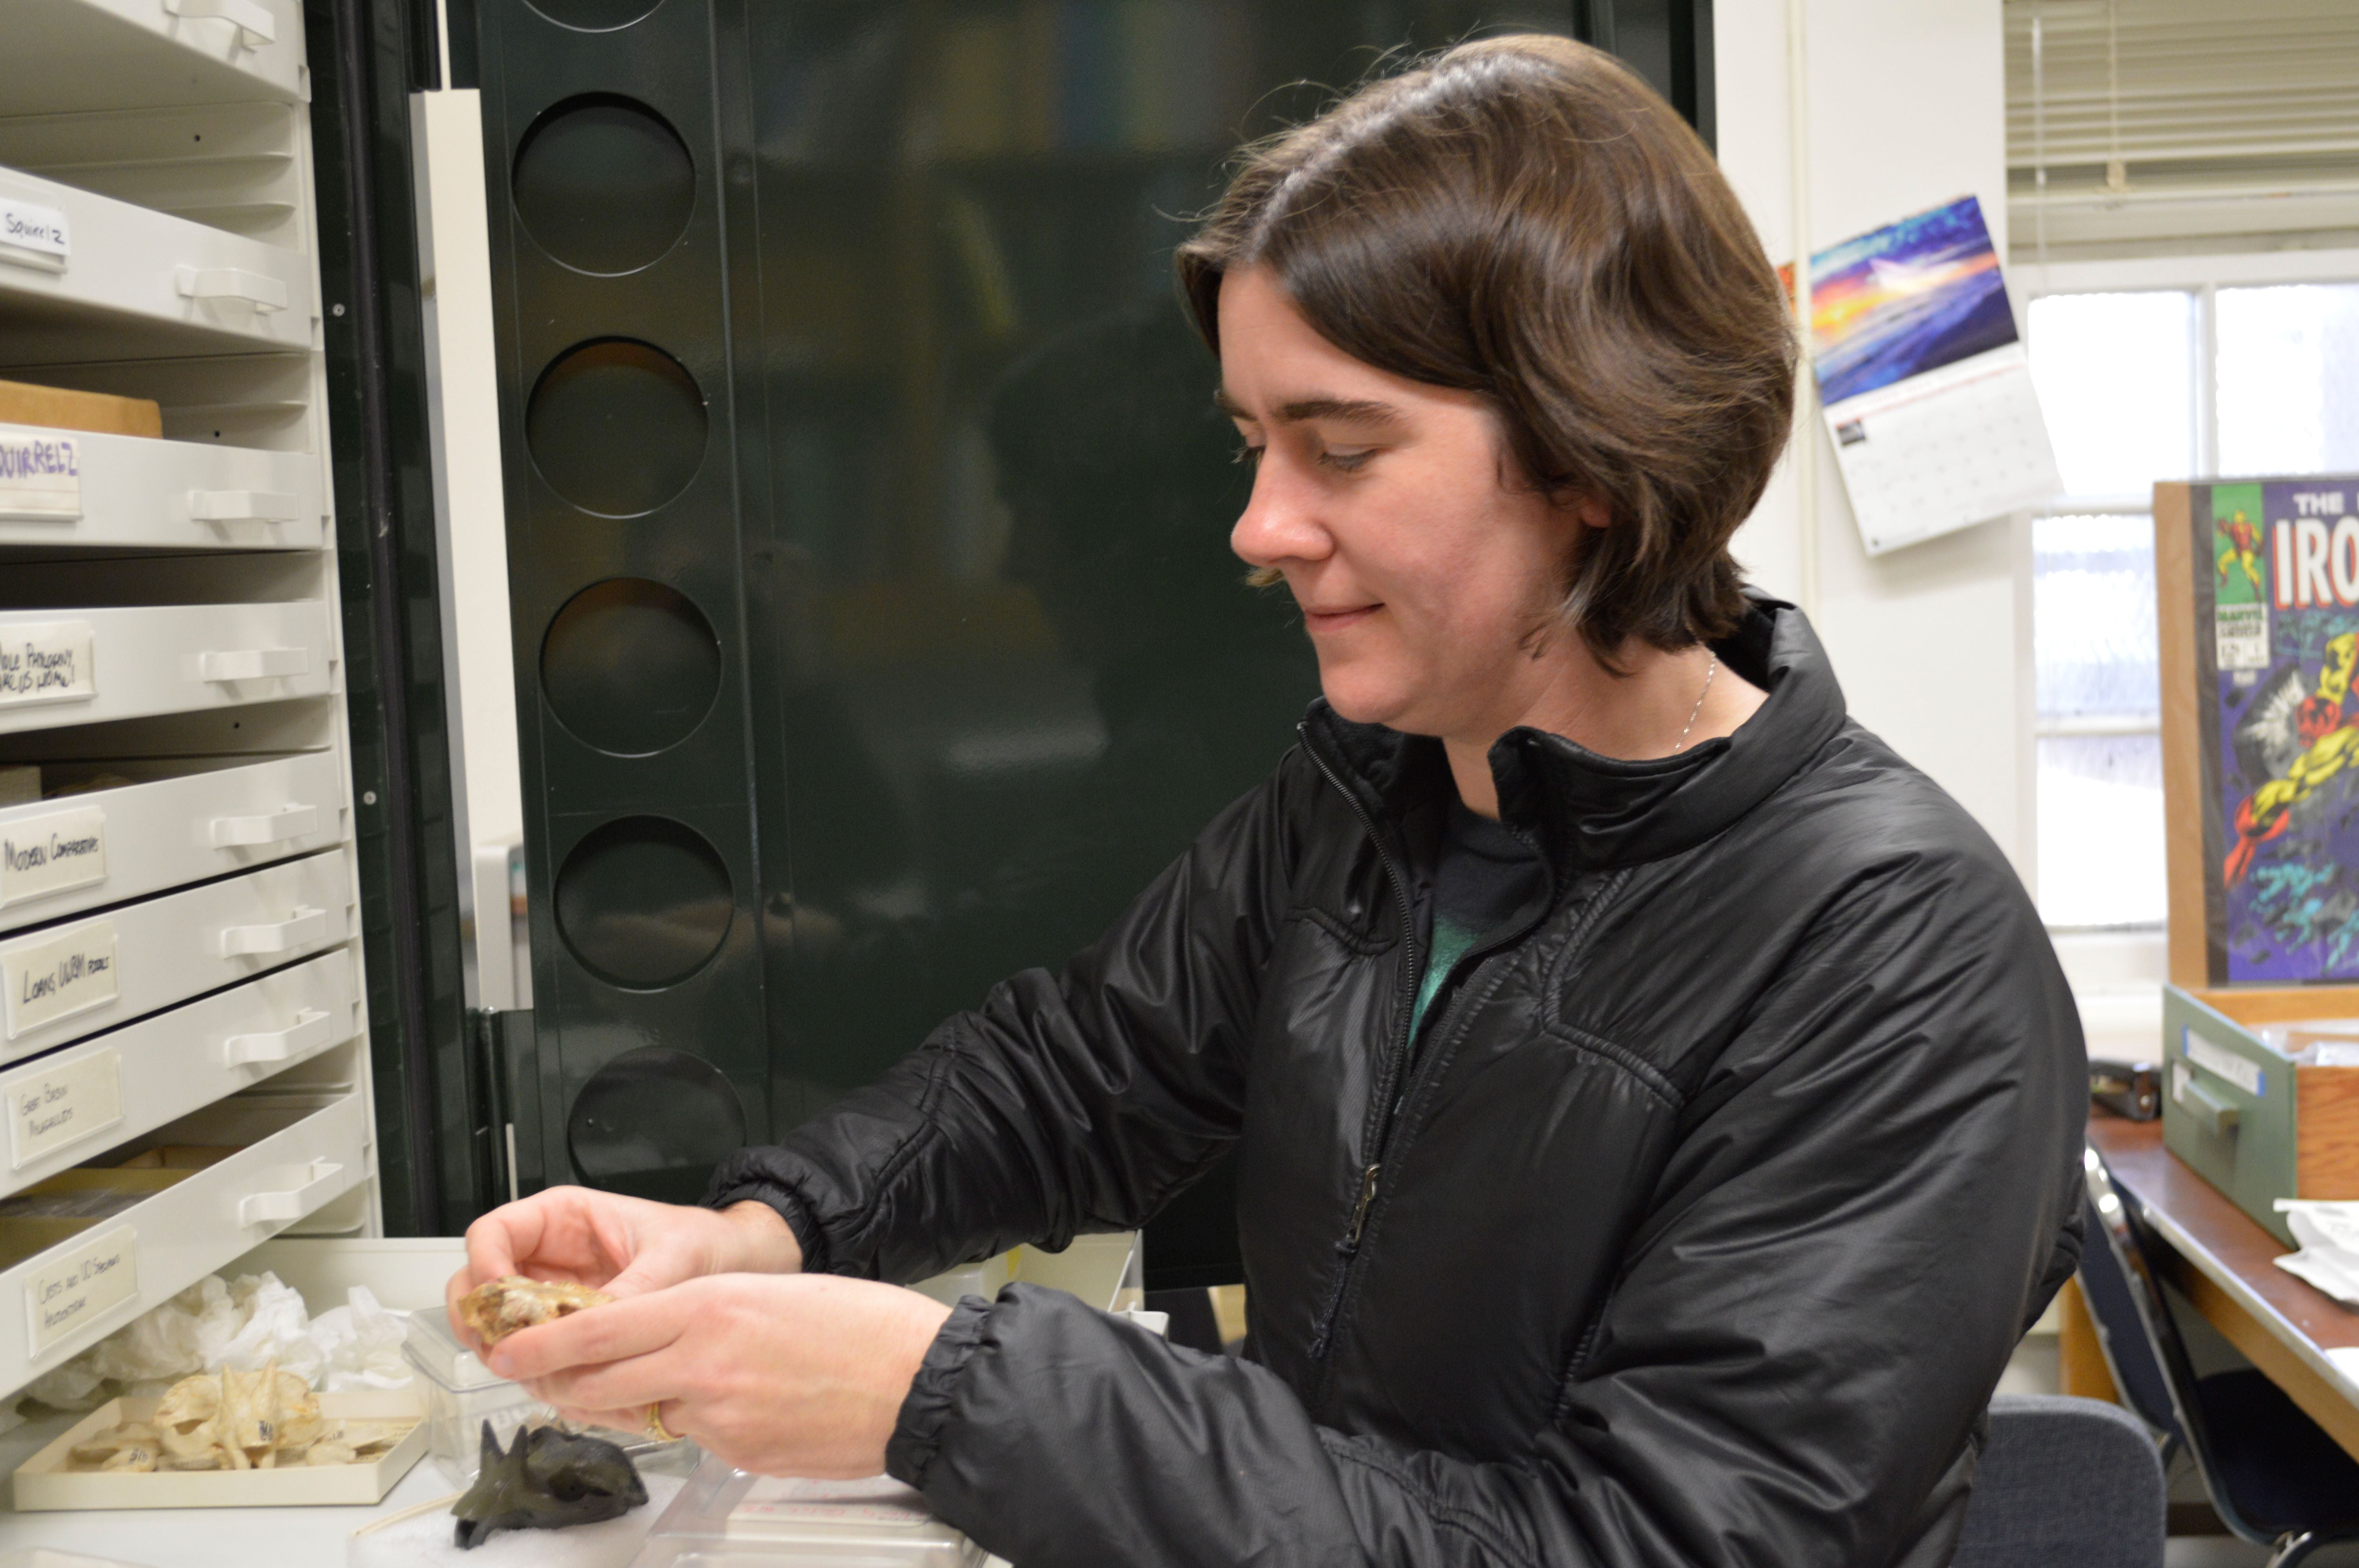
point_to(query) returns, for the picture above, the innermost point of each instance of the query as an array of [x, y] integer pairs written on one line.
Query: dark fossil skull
[[548, 1480]]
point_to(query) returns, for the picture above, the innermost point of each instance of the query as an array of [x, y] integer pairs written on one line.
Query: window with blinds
[[2180, 127]]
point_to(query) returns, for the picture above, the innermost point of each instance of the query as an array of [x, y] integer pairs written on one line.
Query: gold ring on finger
[[656, 1427]]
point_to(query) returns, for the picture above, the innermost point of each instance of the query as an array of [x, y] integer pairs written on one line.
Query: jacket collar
[[1587, 812]]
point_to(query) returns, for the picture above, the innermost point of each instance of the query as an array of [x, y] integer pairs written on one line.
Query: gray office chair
[[2274, 1476], [2064, 1483]]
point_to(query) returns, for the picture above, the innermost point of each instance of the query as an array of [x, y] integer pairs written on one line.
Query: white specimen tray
[[43, 1481]]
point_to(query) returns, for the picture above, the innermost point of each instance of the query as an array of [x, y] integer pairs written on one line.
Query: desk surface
[[2305, 1340]]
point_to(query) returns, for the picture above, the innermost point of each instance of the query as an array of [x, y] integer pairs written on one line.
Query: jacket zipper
[[1405, 1005], [1393, 1088]]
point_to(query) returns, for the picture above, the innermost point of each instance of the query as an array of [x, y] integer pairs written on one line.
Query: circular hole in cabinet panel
[[643, 902], [594, 16], [630, 666], [653, 1123], [616, 426], [604, 184]]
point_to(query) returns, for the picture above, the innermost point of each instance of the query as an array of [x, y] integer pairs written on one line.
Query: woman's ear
[[1593, 510]]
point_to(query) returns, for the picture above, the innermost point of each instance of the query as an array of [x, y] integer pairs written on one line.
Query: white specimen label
[[2246, 1075], [50, 1107], [40, 478], [51, 852], [99, 1276], [58, 975], [34, 236], [49, 661]]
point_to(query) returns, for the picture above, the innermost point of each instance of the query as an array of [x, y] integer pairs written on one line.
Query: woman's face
[[1421, 576]]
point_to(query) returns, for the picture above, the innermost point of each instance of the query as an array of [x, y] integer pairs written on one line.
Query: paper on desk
[[2329, 1237]]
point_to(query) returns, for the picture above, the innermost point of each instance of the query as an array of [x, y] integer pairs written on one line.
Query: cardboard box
[[43, 1481], [2243, 1114], [54, 408]]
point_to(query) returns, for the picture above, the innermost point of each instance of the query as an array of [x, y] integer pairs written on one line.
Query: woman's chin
[[1363, 701]]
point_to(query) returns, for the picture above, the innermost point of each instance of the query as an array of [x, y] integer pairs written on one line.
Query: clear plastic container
[[460, 1394], [727, 1518]]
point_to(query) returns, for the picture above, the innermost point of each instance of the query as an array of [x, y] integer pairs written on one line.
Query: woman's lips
[[1336, 619]]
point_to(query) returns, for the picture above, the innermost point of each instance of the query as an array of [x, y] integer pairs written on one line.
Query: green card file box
[[2245, 1115]]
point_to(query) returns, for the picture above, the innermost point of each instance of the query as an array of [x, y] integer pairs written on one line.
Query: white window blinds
[[2160, 127]]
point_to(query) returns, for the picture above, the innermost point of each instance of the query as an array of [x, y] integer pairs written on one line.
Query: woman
[[1658, 1105]]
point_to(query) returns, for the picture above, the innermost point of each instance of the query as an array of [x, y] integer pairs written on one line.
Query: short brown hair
[[1523, 217]]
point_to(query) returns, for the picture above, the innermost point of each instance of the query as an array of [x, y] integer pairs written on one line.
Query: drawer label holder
[[34, 236], [50, 660], [52, 1107], [2223, 1064], [58, 974], [51, 852], [40, 479], [82, 1287]]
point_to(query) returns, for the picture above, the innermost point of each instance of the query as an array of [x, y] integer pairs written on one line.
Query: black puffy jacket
[[1698, 1229]]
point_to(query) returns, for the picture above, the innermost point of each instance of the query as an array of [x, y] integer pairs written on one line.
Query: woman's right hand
[[623, 1245]]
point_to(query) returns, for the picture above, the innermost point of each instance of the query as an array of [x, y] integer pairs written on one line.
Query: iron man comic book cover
[[2276, 567]]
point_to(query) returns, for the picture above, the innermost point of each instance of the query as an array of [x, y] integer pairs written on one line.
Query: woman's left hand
[[783, 1374]]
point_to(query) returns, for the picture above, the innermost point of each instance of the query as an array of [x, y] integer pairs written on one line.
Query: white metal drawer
[[93, 278], [65, 55], [80, 976], [80, 666], [101, 848], [301, 1152], [61, 1108], [78, 487]]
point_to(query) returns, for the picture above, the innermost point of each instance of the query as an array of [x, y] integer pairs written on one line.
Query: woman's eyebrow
[[1363, 411]]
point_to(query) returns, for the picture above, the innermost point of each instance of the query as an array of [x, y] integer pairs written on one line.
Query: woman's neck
[[1666, 704]]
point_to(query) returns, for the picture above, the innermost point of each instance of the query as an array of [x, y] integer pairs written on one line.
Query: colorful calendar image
[[1907, 298], [2278, 581]]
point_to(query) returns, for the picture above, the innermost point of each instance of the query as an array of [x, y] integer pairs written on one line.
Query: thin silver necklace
[[1709, 671]]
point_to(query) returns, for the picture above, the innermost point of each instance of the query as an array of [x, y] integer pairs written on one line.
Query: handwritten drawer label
[[2213, 1059], [50, 660], [59, 975], [40, 478], [34, 236], [51, 1109], [49, 853], [98, 1277]]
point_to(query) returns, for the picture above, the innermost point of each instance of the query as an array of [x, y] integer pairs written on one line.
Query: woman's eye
[[1249, 455], [1347, 461]]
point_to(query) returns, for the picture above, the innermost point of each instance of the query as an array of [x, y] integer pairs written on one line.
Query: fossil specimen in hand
[[498, 1309]]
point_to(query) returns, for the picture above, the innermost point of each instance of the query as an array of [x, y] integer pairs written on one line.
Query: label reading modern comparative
[[34, 236], [83, 1288], [55, 1107], [52, 852], [58, 975], [49, 661], [40, 478]]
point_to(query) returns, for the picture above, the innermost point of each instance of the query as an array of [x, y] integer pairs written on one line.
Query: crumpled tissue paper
[[244, 1324], [2329, 1237]]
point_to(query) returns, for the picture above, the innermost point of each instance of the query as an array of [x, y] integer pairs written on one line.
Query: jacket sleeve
[[1870, 1200], [1070, 1102]]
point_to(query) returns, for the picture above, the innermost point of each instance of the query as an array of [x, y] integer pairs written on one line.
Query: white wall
[[1904, 109]]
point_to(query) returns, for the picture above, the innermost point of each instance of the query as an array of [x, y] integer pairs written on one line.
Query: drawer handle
[[2215, 1114], [307, 926], [272, 828], [326, 1179], [255, 25], [311, 1029], [253, 664], [265, 293], [241, 506]]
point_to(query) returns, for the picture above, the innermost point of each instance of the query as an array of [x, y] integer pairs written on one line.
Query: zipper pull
[[1360, 1210]]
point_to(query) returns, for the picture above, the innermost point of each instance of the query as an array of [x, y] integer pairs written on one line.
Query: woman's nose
[[1280, 521]]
